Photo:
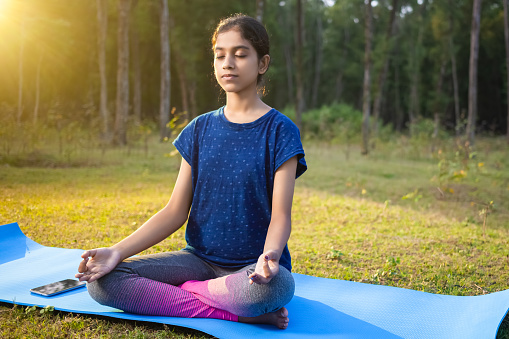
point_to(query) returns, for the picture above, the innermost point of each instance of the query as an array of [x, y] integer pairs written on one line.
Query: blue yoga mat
[[321, 307]]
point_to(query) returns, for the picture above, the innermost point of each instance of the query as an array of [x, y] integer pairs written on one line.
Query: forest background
[[121, 69]]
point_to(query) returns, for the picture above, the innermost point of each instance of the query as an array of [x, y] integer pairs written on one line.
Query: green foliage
[[415, 196], [455, 165], [334, 123], [335, 254]]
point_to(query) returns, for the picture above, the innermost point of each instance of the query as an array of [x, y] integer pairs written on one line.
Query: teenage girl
[[235, 189]]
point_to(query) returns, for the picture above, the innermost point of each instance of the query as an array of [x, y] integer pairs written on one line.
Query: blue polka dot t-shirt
[[233, 167]]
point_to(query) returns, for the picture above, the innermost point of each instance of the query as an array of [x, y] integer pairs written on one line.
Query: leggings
[[180, 284]]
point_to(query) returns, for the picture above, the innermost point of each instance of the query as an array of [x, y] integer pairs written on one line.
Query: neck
[[243, 103]]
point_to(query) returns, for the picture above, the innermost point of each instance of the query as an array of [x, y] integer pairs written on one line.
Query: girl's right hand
[[97, 263]]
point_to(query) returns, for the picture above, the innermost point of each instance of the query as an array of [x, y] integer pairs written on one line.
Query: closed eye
[[238, 56]]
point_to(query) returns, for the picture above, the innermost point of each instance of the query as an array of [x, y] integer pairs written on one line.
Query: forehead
[[231, 39]]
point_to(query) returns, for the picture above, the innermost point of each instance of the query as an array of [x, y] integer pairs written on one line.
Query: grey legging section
[[175, 268]]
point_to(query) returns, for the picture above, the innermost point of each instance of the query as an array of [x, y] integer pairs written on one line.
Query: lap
[[173, 268]]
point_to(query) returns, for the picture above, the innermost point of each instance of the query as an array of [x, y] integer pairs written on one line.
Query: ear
[[263, 65]]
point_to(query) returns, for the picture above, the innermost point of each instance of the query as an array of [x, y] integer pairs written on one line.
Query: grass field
[[401, 217]]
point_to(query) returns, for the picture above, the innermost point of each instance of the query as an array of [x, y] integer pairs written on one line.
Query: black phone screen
[[58, 287]]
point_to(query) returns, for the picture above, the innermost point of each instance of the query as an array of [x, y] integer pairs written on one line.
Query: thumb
[[265, 267], [270, 255]]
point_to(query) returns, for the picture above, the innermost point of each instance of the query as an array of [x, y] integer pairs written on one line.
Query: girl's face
[[236, 63]]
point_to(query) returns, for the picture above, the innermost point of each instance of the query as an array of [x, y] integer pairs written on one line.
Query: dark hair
[[251, 30]]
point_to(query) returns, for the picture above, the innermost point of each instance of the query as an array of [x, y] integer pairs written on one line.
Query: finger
[[94, 277], [266, 268], [92, 253], [82, 277], [259, 279], [83, 266], [85, 254], [253, 277]]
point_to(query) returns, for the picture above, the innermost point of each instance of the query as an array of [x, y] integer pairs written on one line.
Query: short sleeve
[[185, 141], [288, 145]]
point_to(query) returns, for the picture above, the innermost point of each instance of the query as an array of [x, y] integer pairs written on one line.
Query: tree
[[382, 76], [452, 52], [37, 89], [472, 80], [102, 31], [318, 54], [136, 71], [260, 4], [414, 108], [20, 72], [366, 93], [299, 99], [122, 105], [287, 51], [506, 35], [164, 106]]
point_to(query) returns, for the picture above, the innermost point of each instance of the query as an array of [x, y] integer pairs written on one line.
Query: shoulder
[[284, 123], [201, 122], [205, 117]]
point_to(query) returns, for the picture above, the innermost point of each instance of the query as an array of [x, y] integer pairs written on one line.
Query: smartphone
[[58, 287]]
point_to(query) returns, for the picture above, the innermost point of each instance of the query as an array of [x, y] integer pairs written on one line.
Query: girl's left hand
[[266, 268]]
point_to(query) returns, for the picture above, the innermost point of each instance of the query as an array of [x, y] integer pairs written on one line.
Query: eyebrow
[[234, 47]]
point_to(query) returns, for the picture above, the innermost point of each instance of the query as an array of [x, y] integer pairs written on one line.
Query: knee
[[107, 289], [97, 291], [270, 297]]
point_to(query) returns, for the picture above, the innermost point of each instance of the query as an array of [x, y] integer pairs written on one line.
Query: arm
[[280, 223], [157, 228], [163, 223]]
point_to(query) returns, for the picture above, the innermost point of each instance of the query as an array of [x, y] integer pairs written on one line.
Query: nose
[[227, 64]]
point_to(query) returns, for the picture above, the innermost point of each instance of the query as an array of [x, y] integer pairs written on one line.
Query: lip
[[229, 76]]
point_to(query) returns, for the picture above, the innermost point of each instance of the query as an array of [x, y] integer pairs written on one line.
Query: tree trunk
[[299, 104], [438, 105], [452, 51], [136, 74], [398, 116], [260, 4], [319, 55], [289, 72], [287, 53], [164, 108], [192, 99], [414, 107], [102, 30], [342, 62], [506, 34], [472, 82], [366, 96], [37, 89], [20, 73], [122, 103], [181, 73], [382, 76]]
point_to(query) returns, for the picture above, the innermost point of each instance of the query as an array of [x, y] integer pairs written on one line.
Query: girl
[[235, 189]]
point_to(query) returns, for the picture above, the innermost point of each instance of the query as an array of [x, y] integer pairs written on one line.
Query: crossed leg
[[148, 285], [253, 303], [180, 284]]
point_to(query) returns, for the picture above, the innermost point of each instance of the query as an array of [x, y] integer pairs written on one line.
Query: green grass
[[350, 220]]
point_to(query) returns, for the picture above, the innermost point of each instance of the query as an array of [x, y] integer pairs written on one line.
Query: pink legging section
[[157, 298]]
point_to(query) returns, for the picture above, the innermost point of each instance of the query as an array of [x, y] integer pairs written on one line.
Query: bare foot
[[278, 318]]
